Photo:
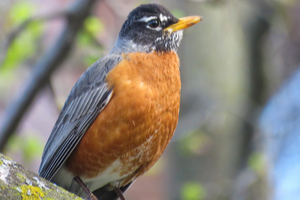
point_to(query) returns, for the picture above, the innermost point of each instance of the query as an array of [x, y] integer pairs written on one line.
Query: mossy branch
[[16, 183]]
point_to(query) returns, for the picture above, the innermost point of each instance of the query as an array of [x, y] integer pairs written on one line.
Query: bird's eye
[[154, 23]]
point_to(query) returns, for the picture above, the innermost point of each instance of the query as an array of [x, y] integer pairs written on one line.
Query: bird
[[123, 110]]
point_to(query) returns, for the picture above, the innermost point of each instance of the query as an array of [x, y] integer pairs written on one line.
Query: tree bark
[[16, 183]]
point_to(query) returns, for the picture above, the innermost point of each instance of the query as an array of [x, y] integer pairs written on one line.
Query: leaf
[[20, 49], [192, 191], [196, 143], [84, 39], [35, 28], [20, 12], [90, 59], [256, 162], [23, 46], [93, 25], [32, 147]]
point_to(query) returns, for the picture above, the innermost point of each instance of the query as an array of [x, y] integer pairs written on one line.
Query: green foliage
[[192, 191], [19, 50], [90, 59], [20, 11], [195, 143], [86, 38], [92, 27], [256, 162], [24, 45], [30, 147]]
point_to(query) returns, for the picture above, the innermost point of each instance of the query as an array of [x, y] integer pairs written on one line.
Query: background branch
[[44, 68]]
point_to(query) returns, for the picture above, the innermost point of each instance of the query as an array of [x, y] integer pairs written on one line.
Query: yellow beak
[[183, 23]]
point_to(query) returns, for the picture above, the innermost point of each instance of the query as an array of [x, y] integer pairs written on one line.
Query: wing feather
[[86, 100]]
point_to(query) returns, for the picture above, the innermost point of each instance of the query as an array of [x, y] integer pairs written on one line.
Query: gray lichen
[[18, 183]]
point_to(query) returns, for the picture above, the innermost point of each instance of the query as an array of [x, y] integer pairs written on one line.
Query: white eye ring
[[159, 28], [149, 19]]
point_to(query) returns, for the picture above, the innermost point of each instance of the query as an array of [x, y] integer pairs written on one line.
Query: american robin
[[123, 110]]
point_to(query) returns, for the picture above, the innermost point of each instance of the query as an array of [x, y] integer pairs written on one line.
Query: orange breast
[[138, 122]]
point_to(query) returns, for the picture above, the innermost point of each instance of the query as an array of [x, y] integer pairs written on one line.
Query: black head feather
[[143, 30]]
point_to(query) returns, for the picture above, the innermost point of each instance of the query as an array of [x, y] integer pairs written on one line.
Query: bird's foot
[[119, 193], [91, 196]]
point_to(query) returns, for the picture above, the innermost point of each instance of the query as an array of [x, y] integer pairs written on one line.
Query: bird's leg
[[91, 196], [119, 193]]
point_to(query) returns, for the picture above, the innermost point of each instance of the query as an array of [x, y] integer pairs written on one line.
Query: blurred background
[[238, 132]]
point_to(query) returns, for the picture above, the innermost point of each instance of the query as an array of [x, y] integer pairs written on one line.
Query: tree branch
[[16, 182], [43, 69]]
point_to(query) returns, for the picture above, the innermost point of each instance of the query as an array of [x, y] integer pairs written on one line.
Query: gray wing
[[86, 100]]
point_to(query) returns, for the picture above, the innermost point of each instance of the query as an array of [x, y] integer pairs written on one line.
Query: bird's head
[[151, 27]]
